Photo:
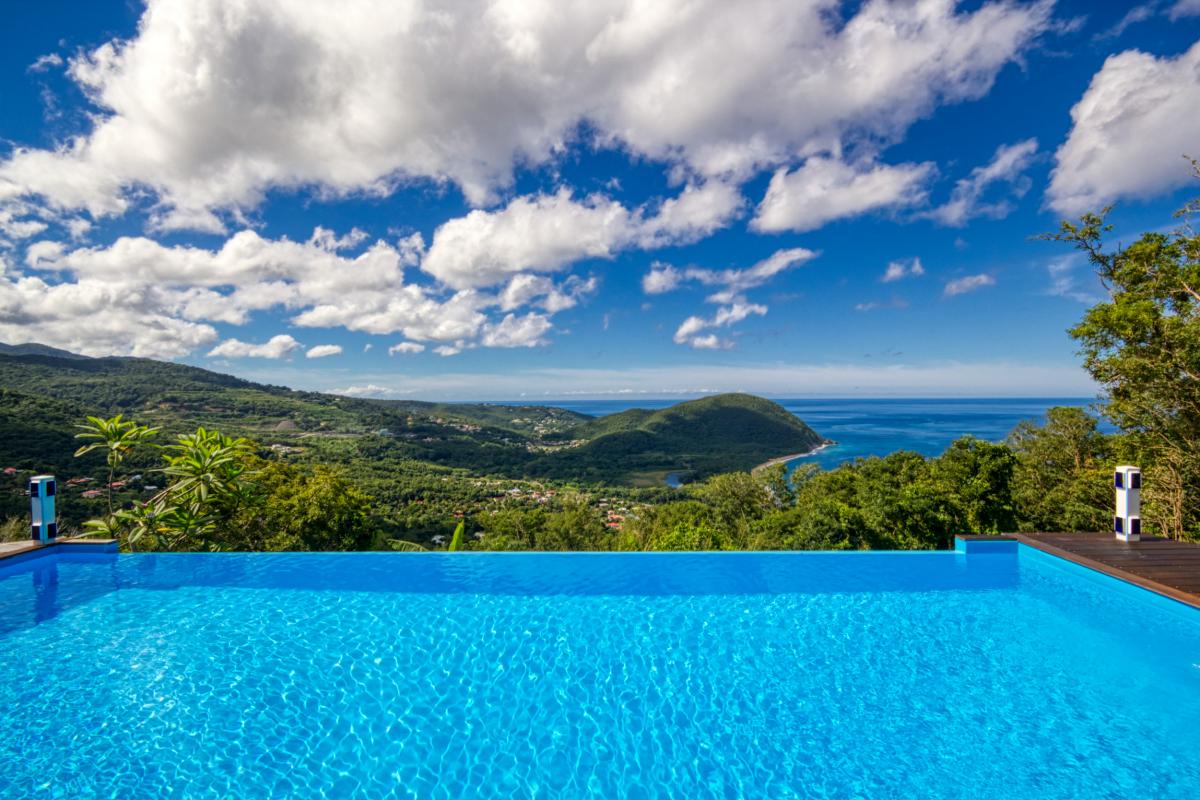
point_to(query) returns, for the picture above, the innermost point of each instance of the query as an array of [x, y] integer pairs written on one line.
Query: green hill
[[713, 434]]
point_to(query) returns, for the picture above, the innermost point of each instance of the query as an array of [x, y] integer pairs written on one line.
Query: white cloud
[[731, 282], [406, 347], [549, 233], [447, 350], [179, 290], [323, 350], [516, 331], [967, 201], [661, 278], [329, 241], [875, 305], [968, 284], [46, 62], [96, 318], [1131, 129], [689, 332], [1132, 17], [368, 390], [1185, 8], [546, 233], [14, 227], [210, 105], [828, 189], [731, 286], [280, 346], [1064, 281], [898, 270], [528, 289], [710, 342]]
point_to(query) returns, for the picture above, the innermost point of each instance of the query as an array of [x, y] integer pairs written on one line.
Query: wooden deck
[[1160, 565]]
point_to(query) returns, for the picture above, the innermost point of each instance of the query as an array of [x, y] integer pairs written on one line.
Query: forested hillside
[[425, 464]]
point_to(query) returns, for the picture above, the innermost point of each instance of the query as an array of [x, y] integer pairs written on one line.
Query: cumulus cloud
[[898, 270], [210, 105], [280, 346], [516, 331], [968, 284], [968, 200], [406, 347], [527, 289], [661, 278], [13, 226], [137, 296], [550, 232], [828, 189], [690, 332], [1130, 130], [323, 350]]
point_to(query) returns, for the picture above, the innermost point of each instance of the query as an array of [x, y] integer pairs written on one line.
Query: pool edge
[[1117, 573]]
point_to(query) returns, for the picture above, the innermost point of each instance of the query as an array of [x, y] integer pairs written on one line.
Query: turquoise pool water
[[872, 675]]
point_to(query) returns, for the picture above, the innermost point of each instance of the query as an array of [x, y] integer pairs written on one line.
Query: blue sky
[[502, 200]]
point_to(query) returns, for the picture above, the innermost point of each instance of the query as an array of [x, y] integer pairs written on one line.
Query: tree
[[117, 437], [212, 482], [220, 495], [1063, 477], [977, 477], [1143, 347], [312, 509]]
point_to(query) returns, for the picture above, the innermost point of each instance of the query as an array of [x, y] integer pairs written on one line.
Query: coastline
[[785, 459], [674, 480]]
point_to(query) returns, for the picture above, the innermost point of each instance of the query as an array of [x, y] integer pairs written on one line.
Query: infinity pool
[[868, 675]]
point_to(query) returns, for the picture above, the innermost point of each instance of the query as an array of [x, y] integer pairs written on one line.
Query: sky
[[524, 199]]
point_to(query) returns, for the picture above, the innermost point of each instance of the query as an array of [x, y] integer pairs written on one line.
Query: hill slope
[[713, 434]]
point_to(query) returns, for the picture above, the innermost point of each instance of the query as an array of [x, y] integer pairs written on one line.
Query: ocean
[[876, 427]]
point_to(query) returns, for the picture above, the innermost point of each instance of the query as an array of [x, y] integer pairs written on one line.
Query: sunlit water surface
[[913, 675]]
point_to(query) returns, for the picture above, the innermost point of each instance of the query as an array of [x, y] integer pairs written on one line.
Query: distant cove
[[876, 427]]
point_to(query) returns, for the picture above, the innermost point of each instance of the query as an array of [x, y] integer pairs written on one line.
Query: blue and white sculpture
[[42, 489], [1127, 524]]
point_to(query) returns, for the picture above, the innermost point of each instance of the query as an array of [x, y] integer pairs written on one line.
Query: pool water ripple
[[1015, 680]]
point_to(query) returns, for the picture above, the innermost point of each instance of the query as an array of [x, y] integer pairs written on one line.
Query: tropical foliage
[[221, 495]]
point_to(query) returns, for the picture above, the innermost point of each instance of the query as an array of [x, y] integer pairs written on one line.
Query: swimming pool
[[874, 675]]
